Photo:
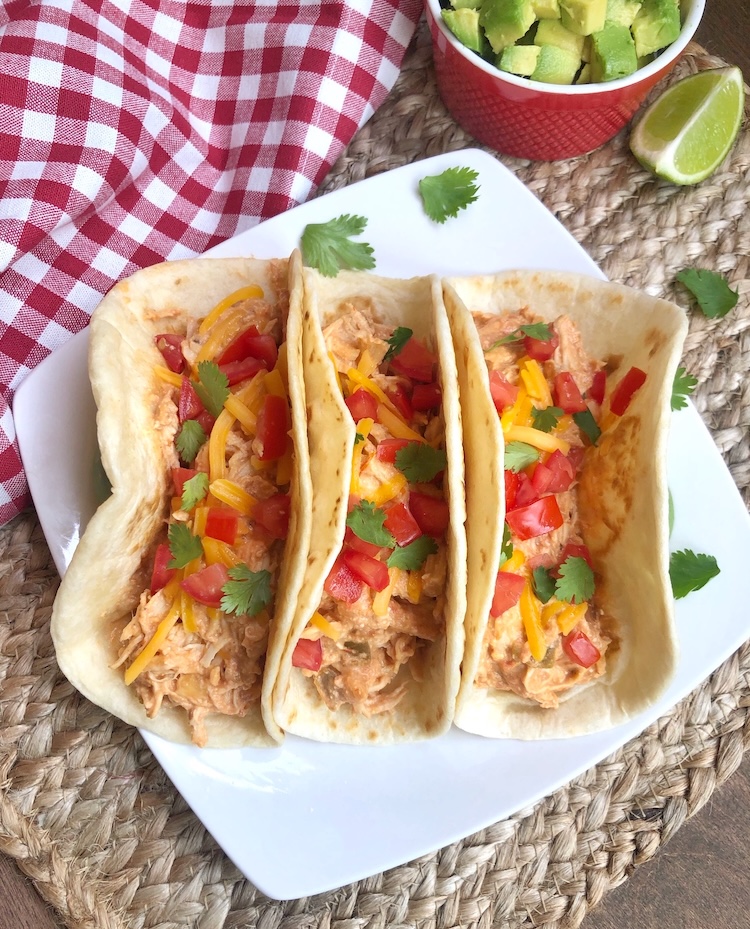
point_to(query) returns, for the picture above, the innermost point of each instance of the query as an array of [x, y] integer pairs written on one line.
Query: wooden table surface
[[699, 880]]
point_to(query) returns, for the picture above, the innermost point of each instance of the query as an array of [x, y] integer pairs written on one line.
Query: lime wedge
[[686, 133]]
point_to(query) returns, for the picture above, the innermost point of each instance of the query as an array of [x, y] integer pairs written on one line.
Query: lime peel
[[687, 132]]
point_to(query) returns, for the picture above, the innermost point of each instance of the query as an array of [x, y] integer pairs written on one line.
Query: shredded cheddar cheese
[[531, 613], [169, 377], [217, 445], [326, 627], [233, 495], [544, 441], [147, 653], [570, 616], [244, 293], [382, 598]]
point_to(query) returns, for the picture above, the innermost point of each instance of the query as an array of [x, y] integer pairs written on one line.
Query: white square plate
[[309, 817]]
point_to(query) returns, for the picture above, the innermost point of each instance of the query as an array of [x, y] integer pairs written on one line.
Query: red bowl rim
[[690, 24]]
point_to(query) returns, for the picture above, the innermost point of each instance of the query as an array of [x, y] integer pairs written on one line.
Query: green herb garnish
[[248, 592], [366, 521], [689, 571], [329, 246], [411, 557], [183, 545], [419, 462], [443, 195], [519, 455], [714, 295], [683, 385]]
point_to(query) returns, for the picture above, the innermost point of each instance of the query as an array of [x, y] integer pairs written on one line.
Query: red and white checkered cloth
[[133, 131]]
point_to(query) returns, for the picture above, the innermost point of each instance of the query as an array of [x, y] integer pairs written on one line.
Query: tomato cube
[[536, 519], [308, 654], [508, 590]]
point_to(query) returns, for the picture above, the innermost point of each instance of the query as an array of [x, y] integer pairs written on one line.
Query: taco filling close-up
[[216, 425]]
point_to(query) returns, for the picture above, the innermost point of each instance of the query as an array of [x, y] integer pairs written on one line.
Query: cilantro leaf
[[540, 331], [190, 439], [366, 521], [248, 592], [545, 420], [443, 195], [358, 437], [714, 295], [519, 455], [544, 584], [682, 386], [212, 387], [329, 248], [506, 550], [401, 335], [587, 424], [576, 581], [194, 490], [419, 462], [411, 557], [689, 571], [183, 545]]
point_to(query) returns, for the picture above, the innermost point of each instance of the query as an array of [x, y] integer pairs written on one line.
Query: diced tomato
[[431, 513], [362, 405], [426, 397], [399, 397], [388, 448], [179, 478], [598, 386], [237, 371], [273, 426], [566, 393], [222, 523], [523, 492], [401, 524], [250, 344], [561, 471], [273, 515], [308, 654], [374, 573], [576, 550], [508, 590], [511, 488], [415, 360], [539, 349], [537, 518], [189, 405], [352, 540], [580, 649], [205, 585], [161, 575], [342, 584], [502, 391], [206, 421], [623, 392], [540, 478], [170, 346]]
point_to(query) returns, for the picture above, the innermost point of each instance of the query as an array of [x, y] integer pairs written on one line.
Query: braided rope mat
[[93, 820]]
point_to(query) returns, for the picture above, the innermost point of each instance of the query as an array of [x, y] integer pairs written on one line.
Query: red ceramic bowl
[[543, 122]]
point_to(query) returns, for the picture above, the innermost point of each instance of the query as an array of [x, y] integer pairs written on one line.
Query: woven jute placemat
[[93, 820]]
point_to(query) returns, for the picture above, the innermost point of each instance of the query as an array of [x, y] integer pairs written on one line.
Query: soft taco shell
[[427, 709], [109, 568], [622, 496]]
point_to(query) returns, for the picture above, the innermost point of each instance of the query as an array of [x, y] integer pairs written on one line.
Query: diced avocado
[[622, 12], [585, 76], [519, 59], [556, 65], [586, 53], [613, 53], [583, 16], [464, 24], [656, 25], [466, 4], [546, 9], [505, 21], [552, 32]]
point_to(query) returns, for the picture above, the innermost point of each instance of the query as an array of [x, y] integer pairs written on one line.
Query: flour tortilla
[[427, 708], [623, 497], [110, 566]]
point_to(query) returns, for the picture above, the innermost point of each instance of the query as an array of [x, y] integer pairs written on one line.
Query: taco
[[376, 640], [173, 611], [565, 385]]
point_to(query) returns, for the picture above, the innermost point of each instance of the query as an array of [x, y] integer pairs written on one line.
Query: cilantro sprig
[[366, 521], [506, 550], [682, 386], [576, 581], [411, 557], [714, 295], [212, 387], [190, 439], [545, 420], [689, 571], [194, 490], [329, 246], [543, 584], [183, 545], [588, 425], [399, 338], [419, 462], [540, 331], [248, 592], [519, 455], [443, 195]]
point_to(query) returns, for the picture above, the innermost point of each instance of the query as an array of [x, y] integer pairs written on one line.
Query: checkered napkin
[[133, 131]]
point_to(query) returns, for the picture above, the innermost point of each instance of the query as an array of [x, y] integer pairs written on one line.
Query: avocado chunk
[[583, 16], [613, 53], [656, 25], [546, 9], [556, 65], [505, 21], [519, 59], [622, 12], [464, 24], [466, 4], [585, 75], [552, 32]]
